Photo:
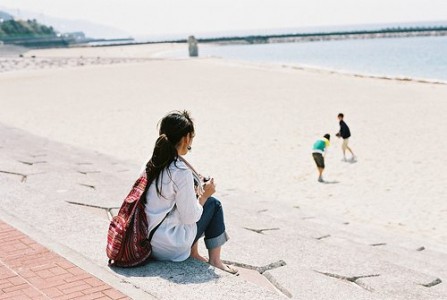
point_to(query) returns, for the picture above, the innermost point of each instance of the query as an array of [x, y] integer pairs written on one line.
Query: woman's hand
[[209, 188], [199, 190]]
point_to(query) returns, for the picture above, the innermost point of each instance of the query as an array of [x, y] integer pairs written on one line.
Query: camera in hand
[[204, 180]]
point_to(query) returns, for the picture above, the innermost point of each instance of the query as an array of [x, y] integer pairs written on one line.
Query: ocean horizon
[[420, 58]]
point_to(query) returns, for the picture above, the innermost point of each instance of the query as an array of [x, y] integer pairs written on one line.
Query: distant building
[[78, 36]]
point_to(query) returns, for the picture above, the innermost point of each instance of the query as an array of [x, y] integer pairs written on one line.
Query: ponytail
[[164, 154]]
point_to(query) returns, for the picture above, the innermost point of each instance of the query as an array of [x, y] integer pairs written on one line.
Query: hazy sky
[[143, 17]]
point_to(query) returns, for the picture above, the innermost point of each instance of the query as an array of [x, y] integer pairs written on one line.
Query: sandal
[[230, 269]]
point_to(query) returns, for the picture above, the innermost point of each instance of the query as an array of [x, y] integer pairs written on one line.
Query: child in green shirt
[[318, 152]]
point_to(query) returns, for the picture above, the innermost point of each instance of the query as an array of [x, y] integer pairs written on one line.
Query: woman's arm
[[187, 204]]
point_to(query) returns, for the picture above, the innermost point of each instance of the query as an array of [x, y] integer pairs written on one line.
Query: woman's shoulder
[[179, 171], [179, 166]]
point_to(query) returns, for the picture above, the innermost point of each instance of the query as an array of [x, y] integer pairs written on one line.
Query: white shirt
[[174, 238]]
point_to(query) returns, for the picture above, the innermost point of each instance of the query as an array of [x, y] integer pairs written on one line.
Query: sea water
[[411, 57]]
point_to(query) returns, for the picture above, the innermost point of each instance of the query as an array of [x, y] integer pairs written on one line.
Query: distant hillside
[[91, 29], [24, 29], [5, 16], [28, 33]]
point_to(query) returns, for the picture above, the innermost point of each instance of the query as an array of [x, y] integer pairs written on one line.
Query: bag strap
[[156, 227], [194, 172], [151, 234]]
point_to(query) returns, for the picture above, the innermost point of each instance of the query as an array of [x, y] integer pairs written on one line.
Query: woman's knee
[[214, 202]]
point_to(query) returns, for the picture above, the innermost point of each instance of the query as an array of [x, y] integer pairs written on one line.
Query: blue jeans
[[212, 224]]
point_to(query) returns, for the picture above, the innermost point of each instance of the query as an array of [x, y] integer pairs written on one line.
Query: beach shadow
[[186, 272], [331, 182], [350, 161]]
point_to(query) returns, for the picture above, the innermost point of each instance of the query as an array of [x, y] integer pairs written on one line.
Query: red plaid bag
[[128, 244]]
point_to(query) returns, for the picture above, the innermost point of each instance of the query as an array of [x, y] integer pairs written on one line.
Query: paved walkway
[[30, 271]]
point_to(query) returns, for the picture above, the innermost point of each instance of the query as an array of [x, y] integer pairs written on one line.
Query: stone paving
[[63, 197], [31, 271]]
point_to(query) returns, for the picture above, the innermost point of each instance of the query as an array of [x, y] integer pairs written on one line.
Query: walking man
[[318, 153], [345, 133]]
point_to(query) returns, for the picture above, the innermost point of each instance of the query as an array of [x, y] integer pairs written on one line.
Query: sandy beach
[[76, 125], [255, 128]]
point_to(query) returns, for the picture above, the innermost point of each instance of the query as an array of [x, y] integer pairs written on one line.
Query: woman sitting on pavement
[[179, 193]]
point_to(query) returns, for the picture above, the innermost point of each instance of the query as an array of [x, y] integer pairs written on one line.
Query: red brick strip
[[30, 271]]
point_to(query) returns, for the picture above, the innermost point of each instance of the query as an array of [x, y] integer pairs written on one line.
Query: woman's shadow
[[188, 271]]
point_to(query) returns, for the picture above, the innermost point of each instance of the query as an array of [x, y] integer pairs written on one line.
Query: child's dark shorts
[[319, 159]]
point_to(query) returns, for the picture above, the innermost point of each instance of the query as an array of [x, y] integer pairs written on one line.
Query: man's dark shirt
[[344, 130]]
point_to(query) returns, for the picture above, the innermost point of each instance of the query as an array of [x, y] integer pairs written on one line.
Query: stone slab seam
[[262, 270]]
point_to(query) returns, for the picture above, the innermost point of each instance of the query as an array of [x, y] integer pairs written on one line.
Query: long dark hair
[[173, 127]]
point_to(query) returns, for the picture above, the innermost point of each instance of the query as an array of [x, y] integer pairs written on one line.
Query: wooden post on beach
[[193, 47]]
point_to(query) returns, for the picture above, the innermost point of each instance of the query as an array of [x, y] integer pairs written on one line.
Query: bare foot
[[199, 257], [225, 267]]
